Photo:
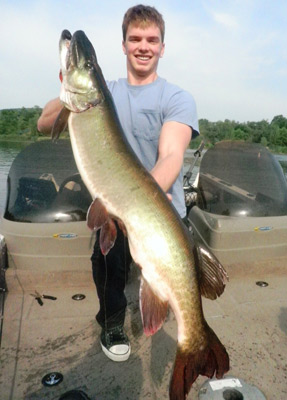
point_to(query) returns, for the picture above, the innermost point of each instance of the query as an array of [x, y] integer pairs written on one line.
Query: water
[[8, 151]]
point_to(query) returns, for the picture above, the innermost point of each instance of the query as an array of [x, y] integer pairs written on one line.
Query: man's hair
[[143, 16]]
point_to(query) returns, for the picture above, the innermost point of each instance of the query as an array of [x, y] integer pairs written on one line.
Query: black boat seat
[[34, 194]]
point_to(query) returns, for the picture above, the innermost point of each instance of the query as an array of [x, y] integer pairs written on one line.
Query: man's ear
[[162, 50], [124, 47]]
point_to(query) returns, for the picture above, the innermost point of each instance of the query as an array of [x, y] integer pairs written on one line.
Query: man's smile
[[143, 58]]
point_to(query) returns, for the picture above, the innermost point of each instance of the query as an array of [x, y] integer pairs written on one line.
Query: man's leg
[[110, 275]]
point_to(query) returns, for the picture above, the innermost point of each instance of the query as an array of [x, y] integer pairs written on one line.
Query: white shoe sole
[[119, 354]]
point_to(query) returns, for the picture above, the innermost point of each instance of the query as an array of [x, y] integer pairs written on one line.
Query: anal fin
[[153, 310], [212, 275]]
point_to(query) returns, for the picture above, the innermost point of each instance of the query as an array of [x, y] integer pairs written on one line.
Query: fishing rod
[[190, 192], [188, 174]]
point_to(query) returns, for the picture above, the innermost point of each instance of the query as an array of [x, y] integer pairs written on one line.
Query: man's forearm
[[48, 116], [166, 170], [173, 141]]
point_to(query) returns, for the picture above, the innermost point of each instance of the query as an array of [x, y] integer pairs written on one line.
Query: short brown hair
[[141, 15]]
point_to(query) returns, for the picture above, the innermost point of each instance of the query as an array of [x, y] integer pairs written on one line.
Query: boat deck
[[63, 336]]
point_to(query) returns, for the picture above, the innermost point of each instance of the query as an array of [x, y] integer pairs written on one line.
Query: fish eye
[[89, 64]]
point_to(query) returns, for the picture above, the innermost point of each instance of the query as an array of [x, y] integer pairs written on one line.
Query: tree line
[[23, 122], [270, 134]]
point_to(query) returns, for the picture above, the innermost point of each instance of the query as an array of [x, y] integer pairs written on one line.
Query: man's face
[[143, 47]]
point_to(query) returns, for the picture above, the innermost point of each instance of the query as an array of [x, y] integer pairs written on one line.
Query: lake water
[[9, 150]]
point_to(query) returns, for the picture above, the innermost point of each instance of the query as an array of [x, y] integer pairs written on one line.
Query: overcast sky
[[230, 54]]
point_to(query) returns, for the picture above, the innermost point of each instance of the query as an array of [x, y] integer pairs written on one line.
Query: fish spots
[[134, 188]]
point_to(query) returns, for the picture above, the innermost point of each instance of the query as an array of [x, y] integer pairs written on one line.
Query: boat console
[[44, 222], [241, 208]]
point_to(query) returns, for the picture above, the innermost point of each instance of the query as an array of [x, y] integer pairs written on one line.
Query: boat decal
[[263, 228], [65, 235]]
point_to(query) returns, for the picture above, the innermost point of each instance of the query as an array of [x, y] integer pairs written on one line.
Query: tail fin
[[188, 366]]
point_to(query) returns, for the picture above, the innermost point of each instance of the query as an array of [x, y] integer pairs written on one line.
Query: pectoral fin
[[212, 275], [99, 218], [60, 123], [108, 236], [153, 310], [122, 227], [97, 215]]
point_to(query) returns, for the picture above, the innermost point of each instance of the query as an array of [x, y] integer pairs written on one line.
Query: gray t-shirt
[[142, 111]]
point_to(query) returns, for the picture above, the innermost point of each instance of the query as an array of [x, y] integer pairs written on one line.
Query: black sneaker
[[115, 344], [74, 395]]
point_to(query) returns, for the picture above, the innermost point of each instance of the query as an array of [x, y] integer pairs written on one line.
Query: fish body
[[124, 190]]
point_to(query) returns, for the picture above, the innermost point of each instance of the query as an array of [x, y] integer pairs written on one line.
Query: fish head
[[80, 73]]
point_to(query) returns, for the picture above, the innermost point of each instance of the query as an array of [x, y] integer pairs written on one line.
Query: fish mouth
[[76, 51], [66, 35], [64, 45]]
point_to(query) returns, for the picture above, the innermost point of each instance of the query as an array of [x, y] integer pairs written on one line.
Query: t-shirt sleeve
[[181, 108]]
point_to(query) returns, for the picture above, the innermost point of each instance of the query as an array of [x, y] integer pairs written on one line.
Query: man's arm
[[173, 141], [49, 115]]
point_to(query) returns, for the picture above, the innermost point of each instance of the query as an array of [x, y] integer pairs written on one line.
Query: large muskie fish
[[122, 189]]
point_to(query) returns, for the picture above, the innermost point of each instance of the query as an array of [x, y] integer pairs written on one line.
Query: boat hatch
[[44, 185], [241, 179]]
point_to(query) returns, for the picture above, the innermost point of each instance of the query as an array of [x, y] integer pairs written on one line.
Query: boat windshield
[[44, 185], [241, 179]]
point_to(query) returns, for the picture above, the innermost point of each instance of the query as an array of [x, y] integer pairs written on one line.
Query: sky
[[231, 55]]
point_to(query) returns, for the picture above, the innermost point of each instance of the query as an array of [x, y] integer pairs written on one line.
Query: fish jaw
[[79, 90]]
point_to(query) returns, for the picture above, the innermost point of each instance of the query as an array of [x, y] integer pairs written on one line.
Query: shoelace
[[116, 336]]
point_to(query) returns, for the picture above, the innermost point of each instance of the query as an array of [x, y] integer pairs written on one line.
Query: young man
[[158, 119]]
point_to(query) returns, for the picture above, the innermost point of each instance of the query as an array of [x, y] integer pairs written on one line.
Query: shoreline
[[17, 139]]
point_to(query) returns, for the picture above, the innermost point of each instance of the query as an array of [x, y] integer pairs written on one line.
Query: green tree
[[9, 122], [264, 141], [279, 121]]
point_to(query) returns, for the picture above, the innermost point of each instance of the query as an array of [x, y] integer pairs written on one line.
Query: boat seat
[[34, 194]]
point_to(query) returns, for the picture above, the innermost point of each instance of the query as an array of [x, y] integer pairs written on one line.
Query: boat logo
[[65, 235], [263, 228]]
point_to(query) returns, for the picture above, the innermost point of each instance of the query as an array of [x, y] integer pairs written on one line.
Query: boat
[[49, 337], [44, 220], [240, 213]]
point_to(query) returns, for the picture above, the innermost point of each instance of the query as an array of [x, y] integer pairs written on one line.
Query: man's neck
[[141, 80]]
